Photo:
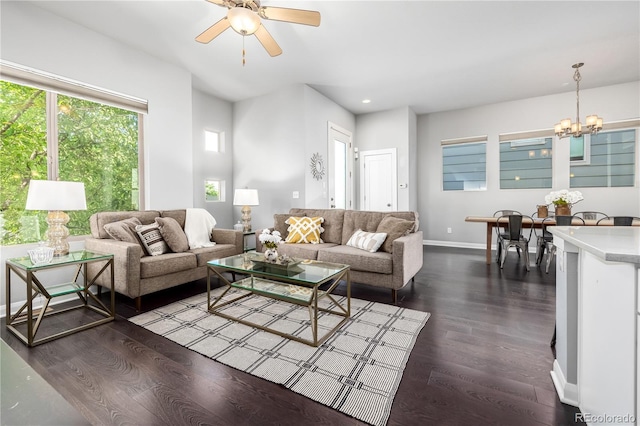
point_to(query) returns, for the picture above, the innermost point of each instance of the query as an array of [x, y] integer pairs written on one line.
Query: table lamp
[[246, 198], [55, 196]]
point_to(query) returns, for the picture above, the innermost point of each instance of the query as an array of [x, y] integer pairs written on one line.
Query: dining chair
[[591, 215], [619, 221], [513, 237], [549, 246], [498, 214]]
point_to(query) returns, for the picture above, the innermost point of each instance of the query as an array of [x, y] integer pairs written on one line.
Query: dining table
[[491, 222]]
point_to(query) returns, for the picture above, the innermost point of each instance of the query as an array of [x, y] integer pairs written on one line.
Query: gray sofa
[[137, 274], [391, 269]]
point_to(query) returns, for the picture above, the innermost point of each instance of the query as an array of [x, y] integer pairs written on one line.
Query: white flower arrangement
[[563, 198], [270, 239]]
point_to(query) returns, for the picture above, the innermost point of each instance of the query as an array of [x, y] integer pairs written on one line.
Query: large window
[[464, 166], [45, 135], [611, 161], [526, 163]]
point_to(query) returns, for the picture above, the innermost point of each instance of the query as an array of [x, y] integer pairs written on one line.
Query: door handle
[[333, 206], [388, 204]]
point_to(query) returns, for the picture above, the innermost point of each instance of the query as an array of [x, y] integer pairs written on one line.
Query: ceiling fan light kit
[[566, 127], [244, 17]]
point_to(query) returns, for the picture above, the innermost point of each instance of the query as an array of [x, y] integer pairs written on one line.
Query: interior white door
[[339, 168], [378, 180]]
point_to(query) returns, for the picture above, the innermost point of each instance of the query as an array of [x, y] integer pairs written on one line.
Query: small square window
[[214, 190], [212, 141]]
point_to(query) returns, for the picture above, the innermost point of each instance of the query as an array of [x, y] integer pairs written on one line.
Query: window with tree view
[[82, 141]]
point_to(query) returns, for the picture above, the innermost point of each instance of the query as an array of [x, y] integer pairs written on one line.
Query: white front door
[[339, 169], [378, 180]]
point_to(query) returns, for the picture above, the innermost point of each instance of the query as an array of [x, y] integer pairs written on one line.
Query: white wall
[[35, 38], [212, 114], [274, 138], [393, 129], [319, 110], [439, 209]]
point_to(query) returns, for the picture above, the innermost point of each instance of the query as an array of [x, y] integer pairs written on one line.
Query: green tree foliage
[[96, 144]]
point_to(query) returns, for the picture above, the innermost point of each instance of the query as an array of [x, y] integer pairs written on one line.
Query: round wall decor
[[317, 166]]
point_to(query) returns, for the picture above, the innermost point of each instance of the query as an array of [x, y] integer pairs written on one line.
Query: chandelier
[[566, 127]]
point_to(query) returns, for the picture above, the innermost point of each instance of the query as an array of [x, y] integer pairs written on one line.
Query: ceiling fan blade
[[213, 31], [267, 41], [296, 16]]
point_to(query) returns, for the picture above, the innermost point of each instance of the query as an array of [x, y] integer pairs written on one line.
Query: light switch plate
[[296, 194]]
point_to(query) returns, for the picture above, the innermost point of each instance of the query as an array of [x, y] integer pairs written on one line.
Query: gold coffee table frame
[[298, 285], [25, 270]]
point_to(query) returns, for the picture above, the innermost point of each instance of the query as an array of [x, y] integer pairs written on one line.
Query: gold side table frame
[[252, 284], [26, 271]]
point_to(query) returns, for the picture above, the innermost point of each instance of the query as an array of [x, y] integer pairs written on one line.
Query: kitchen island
[[596, 366]]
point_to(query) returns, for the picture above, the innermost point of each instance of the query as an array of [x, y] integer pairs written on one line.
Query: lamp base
[[57, 233], [246, 218]]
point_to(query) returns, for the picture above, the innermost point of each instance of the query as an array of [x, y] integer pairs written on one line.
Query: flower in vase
[[563, 198], [270, 239]]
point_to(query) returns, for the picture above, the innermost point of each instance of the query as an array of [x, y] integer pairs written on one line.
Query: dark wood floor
[[482, 358]]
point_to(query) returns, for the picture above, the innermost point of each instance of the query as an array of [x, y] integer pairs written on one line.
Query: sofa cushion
[[179, 215], [359, 260], [304, 230], [303, 251], [151, 239], [124, 230], [205, 254], [164, 264], [332, 225], [173, 234], [369, 241], [395, 227], [368, 221]]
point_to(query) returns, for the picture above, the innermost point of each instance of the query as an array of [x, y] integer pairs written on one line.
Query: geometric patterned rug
[[356, 371]]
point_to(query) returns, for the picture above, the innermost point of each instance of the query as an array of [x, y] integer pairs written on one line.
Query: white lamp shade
[[245, 197], [55, 195]]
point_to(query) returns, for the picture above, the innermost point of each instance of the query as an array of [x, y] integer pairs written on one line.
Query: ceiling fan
[[244, 16]]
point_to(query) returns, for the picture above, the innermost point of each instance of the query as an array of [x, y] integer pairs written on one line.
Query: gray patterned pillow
[[151, 239]]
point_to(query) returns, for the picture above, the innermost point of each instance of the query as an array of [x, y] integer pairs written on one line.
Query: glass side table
[[26, 271]]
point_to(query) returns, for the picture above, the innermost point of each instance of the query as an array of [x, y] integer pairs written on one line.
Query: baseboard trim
[[567, 392], [456, 244]]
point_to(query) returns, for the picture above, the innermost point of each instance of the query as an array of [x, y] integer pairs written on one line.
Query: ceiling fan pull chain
[[243, 61]]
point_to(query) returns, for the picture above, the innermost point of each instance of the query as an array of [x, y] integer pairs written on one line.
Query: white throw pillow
[[369, 241]]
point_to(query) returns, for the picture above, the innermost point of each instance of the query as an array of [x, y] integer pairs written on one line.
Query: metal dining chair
[[591, 215], [498, 214], [619, 220], [549, 246], [513, 237]]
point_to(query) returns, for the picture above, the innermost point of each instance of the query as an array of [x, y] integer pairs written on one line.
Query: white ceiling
[[428, 55]]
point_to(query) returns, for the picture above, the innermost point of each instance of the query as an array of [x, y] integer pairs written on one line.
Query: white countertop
[[610, 243]]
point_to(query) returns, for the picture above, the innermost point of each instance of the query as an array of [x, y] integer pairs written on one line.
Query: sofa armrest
[[228, 236], [126, 264], [407, 258]]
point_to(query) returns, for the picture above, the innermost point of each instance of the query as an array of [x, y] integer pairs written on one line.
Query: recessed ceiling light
[[366, 101]]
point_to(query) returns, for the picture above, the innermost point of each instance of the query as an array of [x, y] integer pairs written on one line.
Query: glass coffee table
[[298, 282]]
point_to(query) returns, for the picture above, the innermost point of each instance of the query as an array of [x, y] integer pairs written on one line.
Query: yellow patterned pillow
[[304, 230]]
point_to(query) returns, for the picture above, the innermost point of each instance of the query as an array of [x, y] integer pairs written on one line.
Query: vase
[[543, 211], [563, 210], [271, 255]]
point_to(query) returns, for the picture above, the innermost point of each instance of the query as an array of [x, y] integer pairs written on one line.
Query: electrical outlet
[[449, 231], [296, 194]]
